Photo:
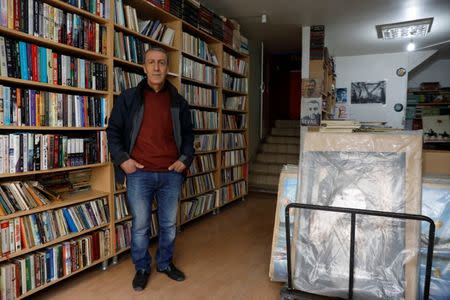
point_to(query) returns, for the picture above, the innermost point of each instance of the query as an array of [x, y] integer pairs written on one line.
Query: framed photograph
[[311, 88], [436, 129], [311, 110], [368, 92], [341, 95]]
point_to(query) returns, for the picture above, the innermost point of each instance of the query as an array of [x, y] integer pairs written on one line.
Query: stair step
[[287, 124], [269, 157], [263, 188], [280, 148], [266, 168], [271, 139], [269, 181], [286, 132]]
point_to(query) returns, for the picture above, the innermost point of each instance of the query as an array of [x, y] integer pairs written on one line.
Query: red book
[[34, 64], [55, 68], [17, 14], [56, 152]]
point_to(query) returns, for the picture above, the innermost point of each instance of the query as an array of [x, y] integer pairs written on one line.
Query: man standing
[[150, 139]]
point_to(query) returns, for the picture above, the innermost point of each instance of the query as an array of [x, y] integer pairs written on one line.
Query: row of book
[[197, 206], [129, 48], [65, 183], [204, 119], [234, 174], [28, 107], [233, 63], [197, 185], [196, 95], [230, 192], [28, 61], [205, 19], [31, 271], [232, 158], [205, 142], [202, 163], [124, 80], [191, 11], [123, 235], [233, 140], [24, 152], [35, 17], [23, 195], [235, 103], [199, 48], [234, 121], [235, 84], [198, 71], [37, 229], [120, 205], [100, 8]]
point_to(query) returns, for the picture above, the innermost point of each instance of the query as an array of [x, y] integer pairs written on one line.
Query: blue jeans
[[142, 188]]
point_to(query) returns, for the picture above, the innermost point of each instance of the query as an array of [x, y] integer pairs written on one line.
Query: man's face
[[155, 66], [313, 108]]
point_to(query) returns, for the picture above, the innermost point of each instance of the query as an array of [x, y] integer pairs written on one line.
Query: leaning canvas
[[366, 171], [287, 193]]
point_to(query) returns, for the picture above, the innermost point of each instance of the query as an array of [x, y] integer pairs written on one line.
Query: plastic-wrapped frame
[[367, 171]]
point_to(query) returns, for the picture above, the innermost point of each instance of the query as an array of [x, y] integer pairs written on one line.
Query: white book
[[168, 36], [24, 138], [44, 152]]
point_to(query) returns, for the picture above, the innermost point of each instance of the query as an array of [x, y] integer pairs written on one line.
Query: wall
[[435, 69], [254, 97], [375, 67]]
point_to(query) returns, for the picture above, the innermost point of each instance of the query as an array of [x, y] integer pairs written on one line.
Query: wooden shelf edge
[[235, 73], [74, 9], [48, 128], [229, 49], [51, 44], [225, 90], [143, 37], [206, 152], [196, 217], [234, 199], [236, 165], [202, 173], [204, 106], [199, 82], [127, 218], [54, 242], [6, 175], [196, 195], [55, 87], [65, 201], [234, 181], [199, 59]]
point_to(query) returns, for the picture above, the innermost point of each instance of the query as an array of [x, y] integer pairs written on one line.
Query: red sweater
[[155, 146]]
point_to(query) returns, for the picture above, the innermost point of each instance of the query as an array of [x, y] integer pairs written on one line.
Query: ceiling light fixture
[[263, 18], [408, 29]]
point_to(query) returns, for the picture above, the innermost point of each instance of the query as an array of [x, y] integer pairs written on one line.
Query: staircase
[[279, 148]]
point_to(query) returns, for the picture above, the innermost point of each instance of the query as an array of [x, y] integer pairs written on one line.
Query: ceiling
[[349, 24]]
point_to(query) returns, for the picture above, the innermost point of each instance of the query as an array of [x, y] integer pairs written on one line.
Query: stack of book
[[217, 27], [228, 32], [176, 8], [191, 10], [70, 182], [205, 19], [339, 125], [317, 37]]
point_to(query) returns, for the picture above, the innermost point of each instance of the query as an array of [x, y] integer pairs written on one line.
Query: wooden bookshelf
[[102, 178], [184, 221]]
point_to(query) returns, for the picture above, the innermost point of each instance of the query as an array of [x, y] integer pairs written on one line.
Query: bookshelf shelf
[[64, 201], [51, 44], [201, 60], [234, 149], [123, 219], [127, 63], [233, 199], [225, 110], [70, 8], [144, 37], [204, 129], [6, 175], [233, 51], [206, 152], [199, 33], [234, 130], [227, 91], [120, 191], [201, 173], [231, 182], [196, 217], [198, 194], [203, 107], [234, 73], [53, 242], [29, 293], [236, 165], [49, 86], [48, 128], [183, 78]]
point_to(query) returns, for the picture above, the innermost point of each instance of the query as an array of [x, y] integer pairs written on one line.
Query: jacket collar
[[172, 90]]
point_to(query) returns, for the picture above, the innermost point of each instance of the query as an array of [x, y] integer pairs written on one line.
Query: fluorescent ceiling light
[[408, 29], [410, 47]]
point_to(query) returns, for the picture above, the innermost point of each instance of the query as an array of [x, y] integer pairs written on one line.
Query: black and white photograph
[[369, 92], [311, 111], [341, 95]]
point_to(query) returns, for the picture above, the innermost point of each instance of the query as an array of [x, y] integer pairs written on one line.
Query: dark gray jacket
[[125, 122]]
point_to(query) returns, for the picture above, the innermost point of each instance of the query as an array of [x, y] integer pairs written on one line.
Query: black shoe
[[173, 273], [140, 280]]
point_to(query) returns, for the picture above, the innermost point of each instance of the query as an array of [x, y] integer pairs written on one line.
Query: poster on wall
[[311, 110], [368, 92], [341, 111], [311, 88], [341, 95], [436, 128]]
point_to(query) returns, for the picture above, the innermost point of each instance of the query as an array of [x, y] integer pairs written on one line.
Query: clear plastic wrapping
[[366, 171], [287, 193]]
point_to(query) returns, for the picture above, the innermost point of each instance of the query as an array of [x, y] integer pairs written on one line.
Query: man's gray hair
[[158, 49]]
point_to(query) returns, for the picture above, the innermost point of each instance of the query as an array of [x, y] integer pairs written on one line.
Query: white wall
[[372, 68], [431, 71]]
